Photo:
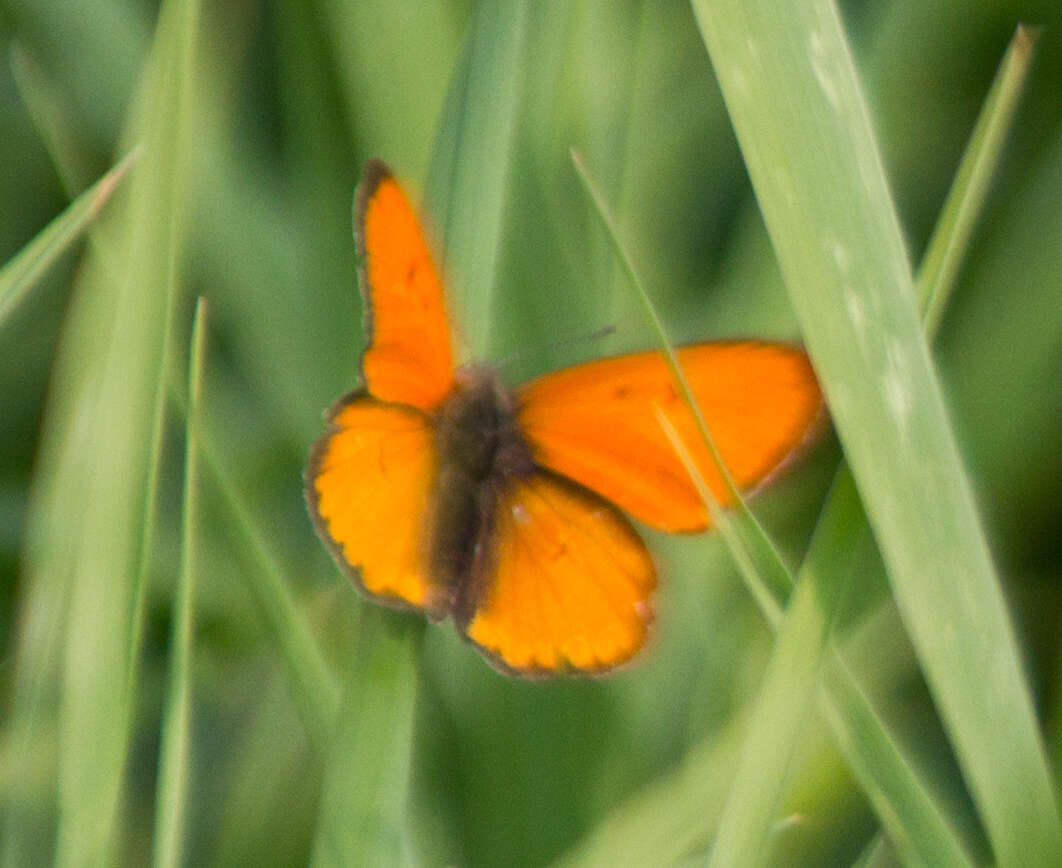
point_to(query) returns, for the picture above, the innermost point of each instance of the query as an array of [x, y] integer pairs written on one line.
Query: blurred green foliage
[[291, 98]]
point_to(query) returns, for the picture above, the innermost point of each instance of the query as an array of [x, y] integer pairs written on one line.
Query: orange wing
[[571, 583], [594, 423], [409, 359], [367, 485]]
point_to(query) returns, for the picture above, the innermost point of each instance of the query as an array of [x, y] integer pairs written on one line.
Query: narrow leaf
[[794, 98], [361, 820], [468, 182], [842, 508], [173, 752], [112, 375], [22, 272]]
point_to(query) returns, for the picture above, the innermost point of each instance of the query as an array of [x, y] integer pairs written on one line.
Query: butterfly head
[[478, 434]]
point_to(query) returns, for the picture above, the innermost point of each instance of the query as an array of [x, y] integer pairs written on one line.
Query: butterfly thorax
[[481, 449], [477, 430]]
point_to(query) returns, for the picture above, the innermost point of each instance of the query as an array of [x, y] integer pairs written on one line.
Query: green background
[[290, 101]]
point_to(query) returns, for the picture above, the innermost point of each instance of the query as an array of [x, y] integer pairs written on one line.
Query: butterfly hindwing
[[595, 423], [570, 582], [409, 359], [368, 486]]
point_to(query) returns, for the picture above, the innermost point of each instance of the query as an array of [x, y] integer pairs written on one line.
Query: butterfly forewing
[[409, 359], [595, 423]]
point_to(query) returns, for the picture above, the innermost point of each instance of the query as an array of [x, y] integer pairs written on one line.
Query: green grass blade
[[671, 817], [792, 93], [468, 180], [910, 815], [758, 560], [310, 681], [116, 377], [173, 751], [21, 273], [789, 684], [52, 112], [312, 684], [937, 842], [951, 236], [765, 596], [361, 820], [842, 508], [875, 853], [657, 325]]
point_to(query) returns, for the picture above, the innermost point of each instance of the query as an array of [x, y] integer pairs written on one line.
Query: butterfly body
[[481, 453], [437, 489]]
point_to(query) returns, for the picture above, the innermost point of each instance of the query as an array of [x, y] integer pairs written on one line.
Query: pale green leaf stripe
[[362, 816], [21, 273], [173, 751], [469, 175], [792, 93], [747, 822], [117, 377]]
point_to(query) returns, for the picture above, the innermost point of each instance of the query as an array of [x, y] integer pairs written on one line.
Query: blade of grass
[[764, 595], [173, 751], [761, 566], [51, 110], [904, 803], [951, 236], [312, 684], [469, 173], [792, 92], [873, 854], [310, 681], [671, 817], [21, 273], [119, 376], [361, 820], [790, 681], [748, 820]]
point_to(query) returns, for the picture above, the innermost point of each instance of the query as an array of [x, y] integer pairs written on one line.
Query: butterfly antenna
[[560, 342]]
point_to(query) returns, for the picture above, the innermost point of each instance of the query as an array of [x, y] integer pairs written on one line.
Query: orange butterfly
[[438, 489]]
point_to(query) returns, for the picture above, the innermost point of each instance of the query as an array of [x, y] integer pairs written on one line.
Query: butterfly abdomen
[[481, 450]]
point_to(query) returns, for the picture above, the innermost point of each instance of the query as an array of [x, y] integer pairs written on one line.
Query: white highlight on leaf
[[817, 49], [854, 305], [840, 256], [895, 385]]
